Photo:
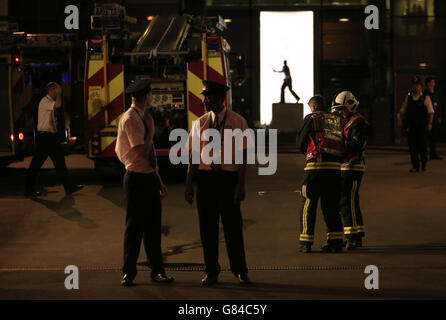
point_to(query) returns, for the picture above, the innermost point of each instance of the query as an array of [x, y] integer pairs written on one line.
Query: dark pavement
[[404, 220]]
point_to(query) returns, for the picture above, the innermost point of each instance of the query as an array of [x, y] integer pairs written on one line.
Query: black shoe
[[329, 248], [32, 193], [414, 170], [243, 279], [209, 280], [305, 248], [351, 245], [423, 169], [127, 281], [162, 278], [358, 243], [72, 189]]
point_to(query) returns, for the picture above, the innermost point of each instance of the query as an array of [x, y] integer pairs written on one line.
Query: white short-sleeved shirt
[[233, 121], [131, 133], [46, 117]]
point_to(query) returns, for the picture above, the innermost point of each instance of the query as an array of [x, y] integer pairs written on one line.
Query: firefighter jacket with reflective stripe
[[321, 140], [355, 134]]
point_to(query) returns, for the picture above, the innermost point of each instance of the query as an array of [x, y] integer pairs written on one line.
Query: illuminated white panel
[[285, 36]]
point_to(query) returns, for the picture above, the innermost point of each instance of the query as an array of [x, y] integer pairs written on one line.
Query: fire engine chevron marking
[[194, 85], [216, 64], [94, 66], [116, 89]]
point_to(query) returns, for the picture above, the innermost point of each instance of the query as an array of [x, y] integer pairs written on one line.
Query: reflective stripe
[[353, 168], [306, 238], [335, 235], [350, 230], [305, 209], [323, 165], [352, 202]]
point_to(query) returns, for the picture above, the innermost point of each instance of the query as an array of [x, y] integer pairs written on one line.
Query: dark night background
[[375, 64]]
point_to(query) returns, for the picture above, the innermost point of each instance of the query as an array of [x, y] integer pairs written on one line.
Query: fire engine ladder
[[163, 36]]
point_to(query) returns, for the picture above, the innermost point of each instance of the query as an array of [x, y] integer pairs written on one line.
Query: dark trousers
[[417, 139], [47, 145], [350, 209], [433, 136], [143, 221], [215, 199], [323, 184], [289, 84]]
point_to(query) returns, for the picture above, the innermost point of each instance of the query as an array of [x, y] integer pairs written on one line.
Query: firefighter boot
[[332, 248], [351, 245], [305, 248]]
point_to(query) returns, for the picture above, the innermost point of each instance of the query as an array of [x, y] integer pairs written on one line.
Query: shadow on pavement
[[176, 265], [427, 248], [64, 208]]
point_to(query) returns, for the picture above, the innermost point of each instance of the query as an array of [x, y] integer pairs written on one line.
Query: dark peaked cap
[[211, 87], [416, 80], [139, 85]]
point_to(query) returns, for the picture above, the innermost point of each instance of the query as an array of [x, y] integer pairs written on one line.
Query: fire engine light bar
[[285, 35]]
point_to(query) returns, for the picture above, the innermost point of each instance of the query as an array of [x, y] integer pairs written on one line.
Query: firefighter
[[220, 189], [143, 186], [47, 143], [321, 141], [352, 167], [416, 116]]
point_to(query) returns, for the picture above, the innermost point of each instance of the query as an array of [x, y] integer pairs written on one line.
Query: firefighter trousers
[[350, 209], [323, 184]]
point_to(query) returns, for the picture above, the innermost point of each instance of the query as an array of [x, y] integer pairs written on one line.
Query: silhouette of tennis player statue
[[287, 82]]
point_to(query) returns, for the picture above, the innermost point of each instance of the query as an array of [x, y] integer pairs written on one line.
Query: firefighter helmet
[[345, 99]]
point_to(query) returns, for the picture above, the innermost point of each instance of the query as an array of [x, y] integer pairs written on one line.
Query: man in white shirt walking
[[47, 143]]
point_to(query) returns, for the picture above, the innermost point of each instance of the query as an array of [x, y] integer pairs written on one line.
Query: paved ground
[[404, 219]]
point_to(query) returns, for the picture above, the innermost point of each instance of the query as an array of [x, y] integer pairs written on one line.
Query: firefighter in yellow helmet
[[352, 167]]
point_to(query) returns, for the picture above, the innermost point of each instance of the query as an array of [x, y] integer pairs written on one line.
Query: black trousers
[[350, 209], [47, 145], [289, 84], [323, 184], [143, 221], [433, 137], [417, 139], [215, 199]]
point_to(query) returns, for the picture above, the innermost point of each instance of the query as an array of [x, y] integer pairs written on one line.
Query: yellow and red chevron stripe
[[215, 71], [95, 100]]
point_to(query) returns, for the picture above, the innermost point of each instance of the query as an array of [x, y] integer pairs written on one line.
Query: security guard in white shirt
[[220, 190], [47, 143], [143, 186]]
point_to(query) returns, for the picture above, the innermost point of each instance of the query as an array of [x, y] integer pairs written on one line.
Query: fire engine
[[27, 63], [175, 52]]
